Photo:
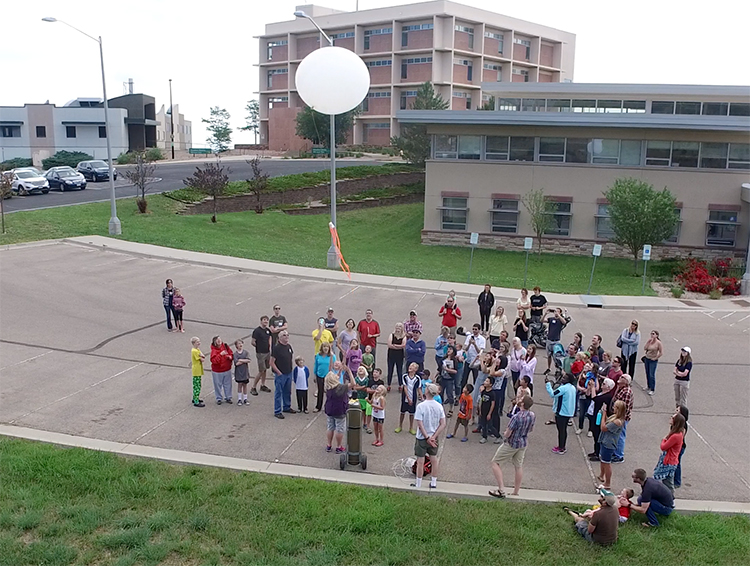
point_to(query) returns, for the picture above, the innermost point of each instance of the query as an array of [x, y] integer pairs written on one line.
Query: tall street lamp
[[331, 81], [171, 117], [115, 227]]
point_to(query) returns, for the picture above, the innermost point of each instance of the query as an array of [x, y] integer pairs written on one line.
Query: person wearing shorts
[[261, 341], [514, 448], [337, 402], [430, 419]]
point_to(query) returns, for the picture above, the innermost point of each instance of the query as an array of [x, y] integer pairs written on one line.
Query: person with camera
[[321, 335], [555, 323], [450, 315], [474, 344], [564, 404]]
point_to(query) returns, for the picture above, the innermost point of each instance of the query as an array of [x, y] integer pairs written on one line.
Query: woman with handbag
[[628, 343], [670, 455], [652, 350]]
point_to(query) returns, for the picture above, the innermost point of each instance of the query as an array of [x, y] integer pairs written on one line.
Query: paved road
[[171, 175], [102, 365]]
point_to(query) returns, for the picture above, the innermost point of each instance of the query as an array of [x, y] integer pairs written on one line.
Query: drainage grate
[[689, 303], [592, 301], [741, 302]]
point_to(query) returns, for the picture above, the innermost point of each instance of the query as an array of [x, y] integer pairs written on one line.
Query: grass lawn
[[383, 241], [72, 506]]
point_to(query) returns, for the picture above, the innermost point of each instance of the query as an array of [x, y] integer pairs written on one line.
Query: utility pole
[[171, 117]]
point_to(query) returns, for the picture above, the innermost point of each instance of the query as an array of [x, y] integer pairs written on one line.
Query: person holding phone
[[321, 334]]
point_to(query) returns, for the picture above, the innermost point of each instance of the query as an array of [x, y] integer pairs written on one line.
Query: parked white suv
[[26, 181]]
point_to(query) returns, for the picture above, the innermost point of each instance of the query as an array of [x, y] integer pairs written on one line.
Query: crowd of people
[[482, 372]]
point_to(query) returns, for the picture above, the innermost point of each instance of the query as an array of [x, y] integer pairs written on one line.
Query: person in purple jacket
[[337, 402]]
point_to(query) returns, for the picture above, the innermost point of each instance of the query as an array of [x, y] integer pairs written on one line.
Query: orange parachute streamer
[[337, 245]]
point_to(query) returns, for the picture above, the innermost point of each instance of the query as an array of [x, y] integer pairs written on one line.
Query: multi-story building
[[456, 47], [573, 141], [183, 130]]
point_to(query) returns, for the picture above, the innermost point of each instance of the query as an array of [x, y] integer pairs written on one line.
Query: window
[[417, 27], [366, 104], [498, 37], [380, 63], [521, 149], [685, 154], [661, 107], [404, 70], [417, 60], [405, 95], [379, 94], [371, 32], [714, 155], [10, 131], [273, 72], [102, 131], [609, 106], [561, 215], [464, 29], [558, 105], [630, 152], [658, 153], [509, 104], [675, 237], [552, 149], [722, 228], [446, 147], [634, 106], [533, 104], [454, 212], [739, 109], [70, 131], [739, 156], [715, 108], [577, 150], [603, 225], [504, 216], [367, 41], [522, 72], [404, 38], [272, 44], [604, 151], [469, 147], [342, 35], [41, 131], [584, 105], [687, 108], [527, 44], [496, 148]]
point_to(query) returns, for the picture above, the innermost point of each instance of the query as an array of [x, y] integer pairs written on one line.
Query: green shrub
[[69, 158], [715, 294], [16, 162], [125, 158], [154, 154], [677, 292]]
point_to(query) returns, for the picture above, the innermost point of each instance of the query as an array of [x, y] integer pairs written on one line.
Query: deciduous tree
[[316, 127], [540, 211], [218, 127], [259, 182], [141, 175], [414, 143], [212, 180], [252, 120]]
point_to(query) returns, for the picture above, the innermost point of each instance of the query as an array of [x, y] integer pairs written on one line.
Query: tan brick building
[[457, 47]]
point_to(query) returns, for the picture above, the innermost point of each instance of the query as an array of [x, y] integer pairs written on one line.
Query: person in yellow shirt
[[321, 334], [197, 358]]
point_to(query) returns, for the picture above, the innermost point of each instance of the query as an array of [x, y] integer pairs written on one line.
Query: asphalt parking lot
[[84, 350]]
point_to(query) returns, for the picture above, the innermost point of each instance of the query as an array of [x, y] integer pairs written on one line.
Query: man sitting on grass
[[601, 528]]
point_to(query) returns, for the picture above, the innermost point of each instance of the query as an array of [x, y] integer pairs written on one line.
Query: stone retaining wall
[[357, 204], [569, 246], [344, 187]]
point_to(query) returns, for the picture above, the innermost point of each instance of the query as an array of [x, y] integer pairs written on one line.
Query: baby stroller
[[538, 334], [558, 355]]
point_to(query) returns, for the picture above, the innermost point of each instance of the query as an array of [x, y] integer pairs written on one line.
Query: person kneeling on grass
[[514, 449], [430, 419], [337, 402], [601, 526]]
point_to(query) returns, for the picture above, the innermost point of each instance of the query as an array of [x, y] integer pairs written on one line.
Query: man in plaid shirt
[[514, 449], [412, 324], [623, 393]]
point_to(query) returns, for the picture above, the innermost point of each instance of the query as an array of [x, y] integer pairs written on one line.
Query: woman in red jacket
[[221, 369], [670, 456]]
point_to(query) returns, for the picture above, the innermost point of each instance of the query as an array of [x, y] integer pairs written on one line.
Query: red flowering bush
[[694, 275], [721, 266], [729, 285]]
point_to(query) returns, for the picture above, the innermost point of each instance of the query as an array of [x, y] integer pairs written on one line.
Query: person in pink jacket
[[528, 366]]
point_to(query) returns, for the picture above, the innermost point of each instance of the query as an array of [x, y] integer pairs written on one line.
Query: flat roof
[[616, 89], [570, 119]]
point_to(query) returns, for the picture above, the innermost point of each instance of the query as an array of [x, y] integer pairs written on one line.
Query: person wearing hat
[[412, 324], [623, 393], [682, 369], [415, 350], [601, 526], [332, 325]]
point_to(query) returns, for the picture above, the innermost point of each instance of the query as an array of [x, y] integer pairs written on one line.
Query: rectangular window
[[469, 73], [658, 153], [630, 153], [404, 70], [10, 131], [404, 39], [634, 106], [367, 42], [380, 63], [714, 155], [464, 29], [605, 151], [577, 150], [342, 35], [685, 154], [675, 237], [561, 216], [496, 148], [558, 105], [454, 212], [41, 131], [584, 105], [527, 44], [522, 72], [446, 147], [662, 107], [739, 109], [687, 108], [715, 108], [603, 225], [469, 147], [102, 131], [721, 228], [70, 131], [533, 104], [509, 104], [522, 149], [366, 104], [552, 149], [417, 27], [504, 216], [739, 156], [609, 106]]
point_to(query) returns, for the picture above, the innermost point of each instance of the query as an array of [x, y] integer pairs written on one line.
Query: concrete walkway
[[388, 282], [340, 476]]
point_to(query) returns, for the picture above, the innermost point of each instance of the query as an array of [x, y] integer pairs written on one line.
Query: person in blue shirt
[[416, 350], [564, 404]]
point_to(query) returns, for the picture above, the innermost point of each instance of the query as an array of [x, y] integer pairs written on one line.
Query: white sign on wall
[[528, 243], [597, 251]]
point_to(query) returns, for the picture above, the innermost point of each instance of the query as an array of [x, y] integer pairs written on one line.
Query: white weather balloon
[[332, 80]]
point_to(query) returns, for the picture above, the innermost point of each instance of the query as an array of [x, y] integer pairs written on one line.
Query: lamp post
[[115, 227], [331, 81], [171, 117]]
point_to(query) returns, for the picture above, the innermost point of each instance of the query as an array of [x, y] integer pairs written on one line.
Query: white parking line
[[348, 292], [727, 315], [209, 280], [26, 360], [267, 291], [284, 451], [743, 480]]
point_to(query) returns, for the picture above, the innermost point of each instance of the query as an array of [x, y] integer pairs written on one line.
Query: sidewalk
[[387, 282], [333, 475]]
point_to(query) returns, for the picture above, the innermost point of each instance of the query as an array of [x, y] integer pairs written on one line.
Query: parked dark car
[[96, 170], [65, 178]]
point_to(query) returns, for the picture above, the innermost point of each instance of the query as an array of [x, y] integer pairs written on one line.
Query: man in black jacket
[[486, 301]]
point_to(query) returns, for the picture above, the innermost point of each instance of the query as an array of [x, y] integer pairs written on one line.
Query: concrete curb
[[340, 476], [384, 281]]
